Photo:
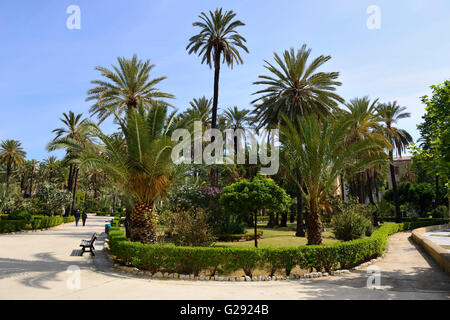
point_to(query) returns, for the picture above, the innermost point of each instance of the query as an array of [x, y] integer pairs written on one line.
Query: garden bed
[[223, 260]]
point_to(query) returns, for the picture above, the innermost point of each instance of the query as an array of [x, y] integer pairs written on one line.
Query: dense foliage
[[248, 197], [350, 222]]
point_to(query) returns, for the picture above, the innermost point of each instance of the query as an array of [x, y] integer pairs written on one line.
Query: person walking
[[77, 217], [84, 217]]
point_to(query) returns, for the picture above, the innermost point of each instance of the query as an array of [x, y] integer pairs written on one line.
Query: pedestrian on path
[[84, 217], [77, 217]]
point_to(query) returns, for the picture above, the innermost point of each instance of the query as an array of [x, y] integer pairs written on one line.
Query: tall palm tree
[[29, 173], [139, 161], [217, 42], [390, 113], [364, 119], [125, 87], [51, 166], [236, 119], [74, 129], [12, 156], [199, 110], [295, 87], [316, 147], [364, 123]]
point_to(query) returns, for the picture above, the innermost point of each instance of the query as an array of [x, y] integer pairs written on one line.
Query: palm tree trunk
[[314, 224], [376, 185], [300, 231], [74, 192], [361, 188], [215, 171], [69, 188], [369, 184], [31, 185], [8, 176], [342, 187], [398, 214], [143, 223]]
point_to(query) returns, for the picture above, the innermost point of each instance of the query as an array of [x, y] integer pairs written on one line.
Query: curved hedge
[[342, 255], [38, 222]]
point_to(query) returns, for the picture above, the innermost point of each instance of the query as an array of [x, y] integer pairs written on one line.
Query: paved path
[[34, 265]]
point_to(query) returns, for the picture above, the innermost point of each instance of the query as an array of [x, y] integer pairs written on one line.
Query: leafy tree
[[249, 197], [217, 42], [435, 134], [125, 87], [390, 114], [12, 156]]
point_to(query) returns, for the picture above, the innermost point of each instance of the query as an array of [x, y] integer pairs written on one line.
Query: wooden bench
[[89, 244]]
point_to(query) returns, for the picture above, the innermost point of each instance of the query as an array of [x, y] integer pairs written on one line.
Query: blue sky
[[46, 68]]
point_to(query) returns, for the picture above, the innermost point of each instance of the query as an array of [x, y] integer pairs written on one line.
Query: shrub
[[441, 212], [53, 198], [350, 223], [419, 196], [190, 228], [20, 215]]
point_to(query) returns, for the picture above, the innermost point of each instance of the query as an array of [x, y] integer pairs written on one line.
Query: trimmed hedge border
[[159, 259], [37, 223]]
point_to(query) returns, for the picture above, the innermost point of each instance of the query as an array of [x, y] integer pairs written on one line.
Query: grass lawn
[[277, 238]]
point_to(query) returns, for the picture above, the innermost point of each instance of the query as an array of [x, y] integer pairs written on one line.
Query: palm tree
[[364, 123], [51, 165], [217, 42], [236, 119], [12, 157], [125, 87], [140, 162], [316, 147], [75, 130], [295, 88], [390, 114], [199, 110], [28, 173]]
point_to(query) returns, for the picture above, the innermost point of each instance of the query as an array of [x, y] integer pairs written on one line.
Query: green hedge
[[38, 222], [342, 255]]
